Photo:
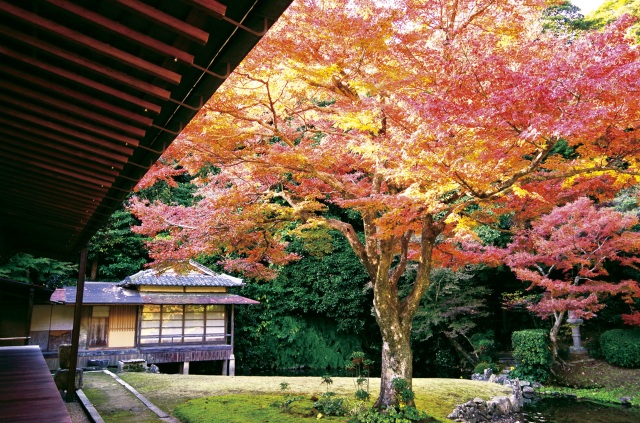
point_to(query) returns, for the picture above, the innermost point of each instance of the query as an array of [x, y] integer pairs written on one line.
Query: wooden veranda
[[27, 390]]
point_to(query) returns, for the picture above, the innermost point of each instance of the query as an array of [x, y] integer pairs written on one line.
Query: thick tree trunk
[[397, 362]]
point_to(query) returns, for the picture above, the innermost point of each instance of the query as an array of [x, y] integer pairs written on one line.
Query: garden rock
[[498, 409]]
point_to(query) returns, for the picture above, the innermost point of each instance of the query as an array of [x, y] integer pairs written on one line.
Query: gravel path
[[77, 413]]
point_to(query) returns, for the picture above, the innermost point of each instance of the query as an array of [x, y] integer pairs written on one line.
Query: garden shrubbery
[[532, 353], [621, 347]]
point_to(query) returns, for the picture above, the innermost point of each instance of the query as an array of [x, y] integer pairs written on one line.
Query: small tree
[[566, 254]]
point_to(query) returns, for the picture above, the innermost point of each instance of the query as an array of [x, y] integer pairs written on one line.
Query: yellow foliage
[[365, 120]]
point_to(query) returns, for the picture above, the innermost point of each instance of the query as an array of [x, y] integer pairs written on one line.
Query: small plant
[[393, 415], [362, 395], [326, 379], [360, 367], [331, 405], [404, 393], [404, 412], [287, 399]]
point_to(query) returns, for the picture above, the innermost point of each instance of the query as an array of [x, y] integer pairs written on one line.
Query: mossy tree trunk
[[385, 259]]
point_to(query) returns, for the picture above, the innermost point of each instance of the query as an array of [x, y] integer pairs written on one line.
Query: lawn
[[248, 397]]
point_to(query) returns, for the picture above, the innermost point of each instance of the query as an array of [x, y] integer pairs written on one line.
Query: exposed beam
[[68, 107], [79, 96], [174, 24], [74, 77], [78, 177], [212, 7], [68, 120], [46, 135], [28, 184], [52, 205], [19, 138], [68, 131], [98, 68], [31, 152], [124, 31], [90, 43]]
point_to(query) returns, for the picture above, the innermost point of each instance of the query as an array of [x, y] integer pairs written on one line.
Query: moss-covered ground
[[597, 380], [247, 399]]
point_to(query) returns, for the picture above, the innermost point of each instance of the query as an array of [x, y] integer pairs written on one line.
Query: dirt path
[[114, 402]]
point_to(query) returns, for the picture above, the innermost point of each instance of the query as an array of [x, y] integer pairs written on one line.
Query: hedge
[[621, 347], [532, 353]]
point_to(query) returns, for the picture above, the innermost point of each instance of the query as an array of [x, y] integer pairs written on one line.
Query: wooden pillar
[[184, 368], [75, 334], [225, 367], [232, 325], [29, 314], [232, 359]]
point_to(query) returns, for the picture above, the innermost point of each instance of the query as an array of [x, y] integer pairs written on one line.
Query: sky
[[587, 6]]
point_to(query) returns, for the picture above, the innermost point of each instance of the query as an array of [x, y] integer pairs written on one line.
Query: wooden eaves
[[92, 92]]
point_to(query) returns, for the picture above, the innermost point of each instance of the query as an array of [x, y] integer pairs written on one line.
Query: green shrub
[[331, 405], [621, 347], [481, 366], [532, 353], [393, 415]]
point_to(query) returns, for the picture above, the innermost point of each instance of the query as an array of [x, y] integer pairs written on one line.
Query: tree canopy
[[566, 253], [421, 120]]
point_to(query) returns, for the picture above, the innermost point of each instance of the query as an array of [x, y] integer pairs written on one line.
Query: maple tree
[[566, 252], [413, 119]]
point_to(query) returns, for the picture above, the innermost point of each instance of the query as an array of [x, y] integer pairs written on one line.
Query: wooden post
[[75, 334], [232, 325], [29, 314], [232, 359]]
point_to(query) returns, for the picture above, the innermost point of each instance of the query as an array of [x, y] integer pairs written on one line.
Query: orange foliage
[[408, 112]]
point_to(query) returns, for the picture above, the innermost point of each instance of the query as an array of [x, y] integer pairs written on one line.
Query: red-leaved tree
[[401, 125], [566, 253]]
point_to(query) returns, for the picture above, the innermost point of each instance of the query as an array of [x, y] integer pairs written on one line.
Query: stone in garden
[[528, 392]]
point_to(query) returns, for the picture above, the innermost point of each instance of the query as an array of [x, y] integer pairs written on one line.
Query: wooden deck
[[27, 390]]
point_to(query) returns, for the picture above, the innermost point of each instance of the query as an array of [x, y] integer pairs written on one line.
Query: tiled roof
[[112, 293], [198, 275]]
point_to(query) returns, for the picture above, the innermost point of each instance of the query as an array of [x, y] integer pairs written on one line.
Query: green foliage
[[392, 415], [331, 405], [181, 193], [404, 393], [531, 351], [118, 251], [312, 315], [39, 271], [453, 302], [360, 367], [621, 347], [483, 344], [612, 10], [326, 379], [362, 395], [564, 18], [481, 366], [287, 399], [286, 342], [599, 395], [248, 408]]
